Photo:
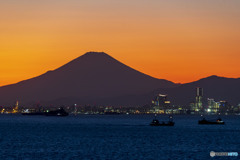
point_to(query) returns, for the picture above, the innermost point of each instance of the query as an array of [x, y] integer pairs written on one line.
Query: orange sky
[[178, 40]]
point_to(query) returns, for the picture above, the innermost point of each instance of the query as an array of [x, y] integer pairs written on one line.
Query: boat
[[218, 121], [155, 122], [59, 112], [32, 112]]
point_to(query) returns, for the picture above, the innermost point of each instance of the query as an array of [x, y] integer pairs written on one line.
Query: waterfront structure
[[199, 100], [213, 107]]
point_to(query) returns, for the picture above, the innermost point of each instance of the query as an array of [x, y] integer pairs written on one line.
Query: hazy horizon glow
[[180, 41]]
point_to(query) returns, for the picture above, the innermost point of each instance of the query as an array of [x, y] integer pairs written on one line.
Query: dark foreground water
[[114, 137]]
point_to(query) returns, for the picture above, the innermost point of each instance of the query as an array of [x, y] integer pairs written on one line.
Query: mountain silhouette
[[219, 88], [94, 77]]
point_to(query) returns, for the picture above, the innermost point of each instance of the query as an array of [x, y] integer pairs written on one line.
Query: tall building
[[199, 100], [15, 109], [159, 100], [199, 91], [160, 103], [16, 106]]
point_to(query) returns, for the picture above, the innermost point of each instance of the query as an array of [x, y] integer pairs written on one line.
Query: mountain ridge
[[90, 75], [219, 88], [97, 78]]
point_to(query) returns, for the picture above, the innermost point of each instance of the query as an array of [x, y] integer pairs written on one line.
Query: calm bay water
[[115, 137]]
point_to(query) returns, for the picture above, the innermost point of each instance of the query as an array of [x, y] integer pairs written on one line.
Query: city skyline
[[178, 41]]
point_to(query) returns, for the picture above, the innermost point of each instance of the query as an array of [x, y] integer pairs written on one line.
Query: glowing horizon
[[181, 41]]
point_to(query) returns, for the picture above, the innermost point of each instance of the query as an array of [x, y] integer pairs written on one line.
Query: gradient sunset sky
[[178, 40]]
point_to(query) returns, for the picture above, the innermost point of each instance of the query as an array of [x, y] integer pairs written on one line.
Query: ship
[[218, 121], [33, 112], [59, 112], [155, 122]]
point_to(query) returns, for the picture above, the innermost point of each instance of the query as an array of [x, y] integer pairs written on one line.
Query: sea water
[[120, 137]]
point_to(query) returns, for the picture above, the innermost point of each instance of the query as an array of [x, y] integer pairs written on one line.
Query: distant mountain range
[[97, 78], [218, 88]]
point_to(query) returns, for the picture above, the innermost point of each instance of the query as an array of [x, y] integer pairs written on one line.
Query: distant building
[[213, 107], [16, 108], [199, 92], [224, 107], [160, 103], [199, 100]]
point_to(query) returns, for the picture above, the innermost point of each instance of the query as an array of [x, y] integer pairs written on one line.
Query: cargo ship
[[218, 121], [59, 112]]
